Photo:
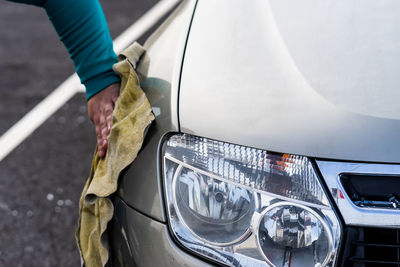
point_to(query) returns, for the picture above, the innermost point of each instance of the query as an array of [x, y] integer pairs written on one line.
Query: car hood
[[315, 78]]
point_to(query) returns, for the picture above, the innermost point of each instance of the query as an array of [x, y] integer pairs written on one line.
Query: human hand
[[100, 108]]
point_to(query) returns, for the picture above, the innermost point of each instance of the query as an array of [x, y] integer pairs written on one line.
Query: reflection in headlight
[[216, 211]]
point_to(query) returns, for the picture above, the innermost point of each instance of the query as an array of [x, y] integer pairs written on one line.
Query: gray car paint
[[315, 78], [246, 79], [159, 71], [241, 84]]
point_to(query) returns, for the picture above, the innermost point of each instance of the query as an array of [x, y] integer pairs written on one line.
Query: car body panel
[[259, 74], [159, 71], [251, 76]]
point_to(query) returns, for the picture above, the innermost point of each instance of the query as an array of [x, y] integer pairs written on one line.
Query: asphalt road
[[41, 180]]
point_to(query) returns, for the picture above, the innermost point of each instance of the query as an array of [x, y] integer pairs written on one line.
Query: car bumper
[[138, 240]]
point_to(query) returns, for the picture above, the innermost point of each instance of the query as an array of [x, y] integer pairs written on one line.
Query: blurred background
[[41, 180]]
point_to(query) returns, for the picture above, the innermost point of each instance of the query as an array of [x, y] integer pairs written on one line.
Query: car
[[276, 139]]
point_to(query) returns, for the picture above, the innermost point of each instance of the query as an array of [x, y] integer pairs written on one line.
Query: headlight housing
[[240, 205]]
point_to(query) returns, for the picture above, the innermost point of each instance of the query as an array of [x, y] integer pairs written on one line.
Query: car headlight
[[240, 205]]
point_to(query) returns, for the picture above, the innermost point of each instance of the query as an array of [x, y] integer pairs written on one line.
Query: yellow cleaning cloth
[[131, 118]]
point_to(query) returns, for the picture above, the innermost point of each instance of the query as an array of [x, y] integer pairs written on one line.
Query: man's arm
[[83, 29]]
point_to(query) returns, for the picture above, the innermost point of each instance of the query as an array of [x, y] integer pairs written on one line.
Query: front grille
[[371, 247], [372, 190]]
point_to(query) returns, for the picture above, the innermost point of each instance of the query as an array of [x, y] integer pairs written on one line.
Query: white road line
[[41, 112], [143, 24]]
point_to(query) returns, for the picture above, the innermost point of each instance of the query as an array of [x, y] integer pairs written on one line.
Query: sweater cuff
[[100, 82]]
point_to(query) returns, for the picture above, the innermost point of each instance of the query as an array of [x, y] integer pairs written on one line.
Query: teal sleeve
[[83, 29]]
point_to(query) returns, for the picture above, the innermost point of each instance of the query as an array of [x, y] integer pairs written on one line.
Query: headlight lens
[[215, 211], [290, 232], [241, 205]]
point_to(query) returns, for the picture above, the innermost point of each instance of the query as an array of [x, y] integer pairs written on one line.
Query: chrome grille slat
[[355, 259], [372, 247], [353, 214], [360, 243]]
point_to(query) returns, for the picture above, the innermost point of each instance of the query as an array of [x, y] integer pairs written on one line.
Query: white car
[[276, 140]]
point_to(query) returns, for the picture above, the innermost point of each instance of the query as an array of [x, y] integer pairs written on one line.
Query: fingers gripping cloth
[[131, 118]]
